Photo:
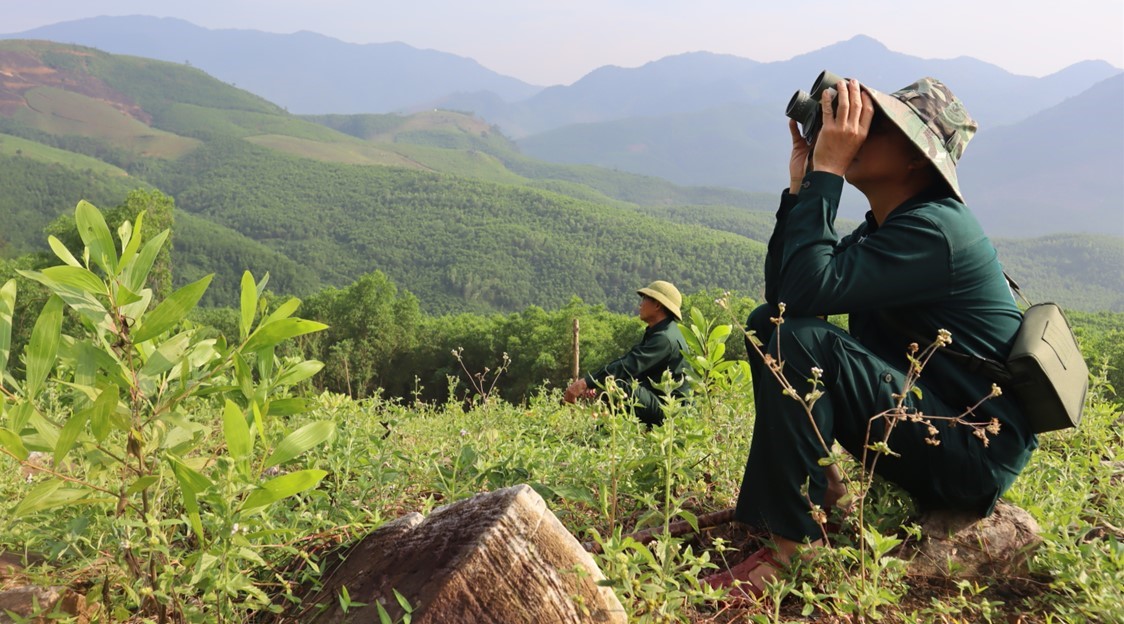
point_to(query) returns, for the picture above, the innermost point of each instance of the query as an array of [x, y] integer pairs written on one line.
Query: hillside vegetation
[[439, 201], [1082, 272], [459, 244]]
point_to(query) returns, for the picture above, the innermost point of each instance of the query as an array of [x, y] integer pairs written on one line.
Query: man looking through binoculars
[[920, 263]]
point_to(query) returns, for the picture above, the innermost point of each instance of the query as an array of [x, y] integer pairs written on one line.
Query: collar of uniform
[[659, 326], [916, 201]]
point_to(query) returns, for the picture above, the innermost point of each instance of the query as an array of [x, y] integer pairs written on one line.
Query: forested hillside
[[441, 202], [459, 244], [260, 187], [1081, 272]]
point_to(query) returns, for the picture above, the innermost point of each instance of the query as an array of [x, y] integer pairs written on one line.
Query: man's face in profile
[[649, 309]]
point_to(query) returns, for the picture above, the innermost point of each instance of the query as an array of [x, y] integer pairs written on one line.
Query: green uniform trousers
[[784, 451]]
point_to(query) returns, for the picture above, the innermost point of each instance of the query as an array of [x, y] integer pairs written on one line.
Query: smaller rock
[[962, 545]]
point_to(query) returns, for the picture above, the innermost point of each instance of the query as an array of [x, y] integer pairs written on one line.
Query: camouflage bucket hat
[[934, 119], [665, 293]]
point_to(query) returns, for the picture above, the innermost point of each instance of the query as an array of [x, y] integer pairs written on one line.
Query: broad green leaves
[[13, 444], [299, 372], [102, 420], [95, 234], [62, 252], [7, 309], [126, 377], [172, 310], [249, 305], [706, 356], [191, 483], [236, 431], [76, 278], [44, 345], [55, 493], [272, 333], [136, 273], [282, 487], [300, 441]]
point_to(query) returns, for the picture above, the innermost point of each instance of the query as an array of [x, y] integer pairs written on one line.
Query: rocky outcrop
[[496, 557], [961, 545]]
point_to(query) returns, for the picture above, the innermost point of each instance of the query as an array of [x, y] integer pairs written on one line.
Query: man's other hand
[[575, 391]]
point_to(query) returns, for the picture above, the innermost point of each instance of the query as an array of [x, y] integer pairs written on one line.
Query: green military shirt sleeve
[[905, 262], [647, 355], [776, 247]]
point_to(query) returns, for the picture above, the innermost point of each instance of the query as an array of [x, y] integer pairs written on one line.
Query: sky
[[548, 42]]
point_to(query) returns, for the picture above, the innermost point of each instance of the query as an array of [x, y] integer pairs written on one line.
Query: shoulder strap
[[1015, 287]]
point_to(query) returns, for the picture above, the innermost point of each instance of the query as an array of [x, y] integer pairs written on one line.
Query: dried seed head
[[819, 516]]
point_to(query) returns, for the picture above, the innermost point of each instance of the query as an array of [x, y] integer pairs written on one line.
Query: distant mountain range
[[1061, 169], [309, 73], [701, 81], [693, 119], [303, 72]]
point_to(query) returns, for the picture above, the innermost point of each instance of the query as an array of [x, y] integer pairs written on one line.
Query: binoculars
[[805, 107]]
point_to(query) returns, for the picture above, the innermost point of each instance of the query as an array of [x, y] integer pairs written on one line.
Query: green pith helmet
[[934, 119], [665, 293]]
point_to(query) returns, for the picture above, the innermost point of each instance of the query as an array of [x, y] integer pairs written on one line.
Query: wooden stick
[[576, 369]]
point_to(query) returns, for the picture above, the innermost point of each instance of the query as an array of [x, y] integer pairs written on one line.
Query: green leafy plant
[[124, 440], [711, 371]]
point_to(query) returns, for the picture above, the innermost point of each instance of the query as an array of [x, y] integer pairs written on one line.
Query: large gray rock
[[961, 545], [496, 557]]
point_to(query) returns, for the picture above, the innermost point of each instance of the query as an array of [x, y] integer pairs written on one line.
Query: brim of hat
[[658, 296], [928, 141]]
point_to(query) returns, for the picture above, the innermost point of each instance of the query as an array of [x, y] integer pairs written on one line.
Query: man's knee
[[803, 335]]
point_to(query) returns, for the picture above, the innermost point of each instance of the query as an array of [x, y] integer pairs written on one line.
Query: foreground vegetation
[[173, 471], [603, 476]]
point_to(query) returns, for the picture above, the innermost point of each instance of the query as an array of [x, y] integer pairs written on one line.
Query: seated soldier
[[660, 350]]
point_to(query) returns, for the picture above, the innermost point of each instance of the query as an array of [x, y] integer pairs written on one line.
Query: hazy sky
[[558, 41]]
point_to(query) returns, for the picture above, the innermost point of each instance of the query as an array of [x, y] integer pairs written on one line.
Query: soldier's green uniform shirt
[[661, 349], [927, 267]]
